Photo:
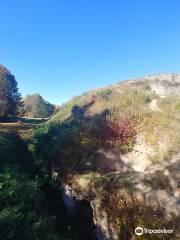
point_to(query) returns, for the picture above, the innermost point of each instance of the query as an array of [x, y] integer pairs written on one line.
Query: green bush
[[105, 93], [23, 214], [177, 106]]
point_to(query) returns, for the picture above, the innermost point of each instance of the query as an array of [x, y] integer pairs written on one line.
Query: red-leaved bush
[[119, 134]]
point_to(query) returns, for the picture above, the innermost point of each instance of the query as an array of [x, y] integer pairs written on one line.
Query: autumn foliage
[[120, 134]]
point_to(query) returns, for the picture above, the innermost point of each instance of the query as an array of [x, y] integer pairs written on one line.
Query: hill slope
[[149, 87], [106, 162], [118, 147]]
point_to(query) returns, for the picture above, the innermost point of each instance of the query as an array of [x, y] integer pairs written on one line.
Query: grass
[[32, 120], [119, 97], [22, 126], [131, 101]]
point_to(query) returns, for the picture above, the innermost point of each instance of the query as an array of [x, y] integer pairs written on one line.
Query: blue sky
[[61, 48]]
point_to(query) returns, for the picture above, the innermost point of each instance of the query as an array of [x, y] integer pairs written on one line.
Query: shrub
[[105, 93], [118, 133]]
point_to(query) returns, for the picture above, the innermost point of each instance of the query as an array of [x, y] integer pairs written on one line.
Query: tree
[[9, 95], [35, 106]]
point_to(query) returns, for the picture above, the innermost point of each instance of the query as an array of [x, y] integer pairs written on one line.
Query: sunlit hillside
[[118, 147], [106, 162]]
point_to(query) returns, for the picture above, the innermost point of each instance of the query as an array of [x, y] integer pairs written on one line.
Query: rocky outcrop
[[164, 84], [121, 200]]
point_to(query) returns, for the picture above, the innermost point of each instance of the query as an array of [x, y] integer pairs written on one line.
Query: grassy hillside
[[112, 156], [155, 115], [118, 147]]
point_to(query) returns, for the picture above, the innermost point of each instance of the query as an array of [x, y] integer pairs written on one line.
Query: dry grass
[[23, 129]]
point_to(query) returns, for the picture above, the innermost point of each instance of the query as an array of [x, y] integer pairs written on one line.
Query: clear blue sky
[[61, 48]]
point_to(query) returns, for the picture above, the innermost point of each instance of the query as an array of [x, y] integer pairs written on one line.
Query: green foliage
[[23, 214], [105, 93], [9, 96], [177, 106], [24, 201], [13, 152]]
